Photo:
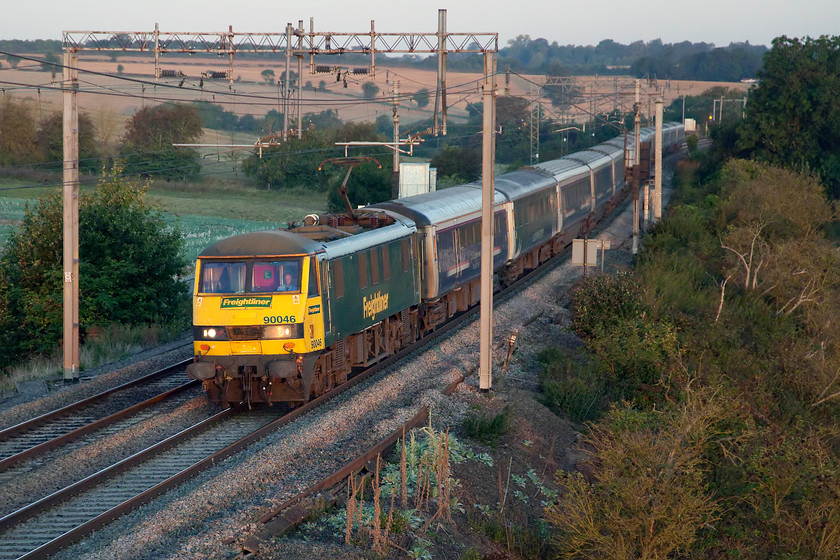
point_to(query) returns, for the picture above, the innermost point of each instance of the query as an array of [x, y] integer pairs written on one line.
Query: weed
[[488, 429]]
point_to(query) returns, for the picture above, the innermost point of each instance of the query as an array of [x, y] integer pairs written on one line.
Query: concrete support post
[[636, 166], [286, 82], [488, 190], [71, 218], [657, 166], [440, 97], [395, 174]]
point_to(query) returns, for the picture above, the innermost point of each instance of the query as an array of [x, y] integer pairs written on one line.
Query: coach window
[[363, 269], [374, 266]]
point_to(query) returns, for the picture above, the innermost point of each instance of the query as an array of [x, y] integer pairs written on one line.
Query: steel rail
[[18, 429], [93, 426]]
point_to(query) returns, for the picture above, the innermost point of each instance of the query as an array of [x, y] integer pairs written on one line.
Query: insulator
[[321, 69], [358, 71]]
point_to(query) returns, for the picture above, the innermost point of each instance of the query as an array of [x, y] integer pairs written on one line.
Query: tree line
[[680, 61]]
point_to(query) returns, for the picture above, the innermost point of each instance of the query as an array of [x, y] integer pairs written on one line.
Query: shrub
[[487, 429]]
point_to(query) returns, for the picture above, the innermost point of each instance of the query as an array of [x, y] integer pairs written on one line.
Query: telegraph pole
[[636, 167], [657, 170], [440, 98], [286, 82], [488, 190], [395, 173], [71, 218]]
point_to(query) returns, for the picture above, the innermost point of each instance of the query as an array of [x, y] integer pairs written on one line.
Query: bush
[[487, 429], [604, 300], [575, 386], [128, 274]]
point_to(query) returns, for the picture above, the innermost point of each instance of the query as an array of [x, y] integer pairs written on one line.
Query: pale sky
[[579, 22]]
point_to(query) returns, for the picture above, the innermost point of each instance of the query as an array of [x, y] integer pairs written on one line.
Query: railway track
[[100, 414], [54, 522]]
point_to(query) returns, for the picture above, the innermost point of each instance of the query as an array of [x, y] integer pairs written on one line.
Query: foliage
[[17, 131], [605, 300], [128, 272], [575, 386], [147, 146], [421, 97], [370, 90], [462, 163], [49, 139], [268, 75], [295, 163], [648, 498], [755, 331], [699, 107], [368, 184], [488, 429], [727, 64], [792, 116]]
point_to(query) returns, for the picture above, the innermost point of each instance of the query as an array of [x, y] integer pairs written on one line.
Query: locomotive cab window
[[276, 276], [223, 278], [312, 290]]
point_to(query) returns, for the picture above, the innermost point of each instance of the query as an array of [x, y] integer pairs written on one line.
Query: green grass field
[[204, 212]]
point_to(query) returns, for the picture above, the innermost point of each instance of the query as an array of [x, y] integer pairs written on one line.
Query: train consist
[[284, 315]]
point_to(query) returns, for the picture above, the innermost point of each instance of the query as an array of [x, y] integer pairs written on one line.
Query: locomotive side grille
[[250, 332]]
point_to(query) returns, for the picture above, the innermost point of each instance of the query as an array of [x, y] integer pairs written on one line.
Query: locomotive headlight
[[283, 331], [278, 331], [209, 333]]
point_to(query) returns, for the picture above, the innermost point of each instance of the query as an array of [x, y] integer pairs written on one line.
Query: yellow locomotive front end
[[257, 320]]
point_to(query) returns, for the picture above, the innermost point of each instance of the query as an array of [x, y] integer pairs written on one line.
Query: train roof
[[520, 183], [590, 158], [439, 206], [368, 238], [563, 168], [261, 244]]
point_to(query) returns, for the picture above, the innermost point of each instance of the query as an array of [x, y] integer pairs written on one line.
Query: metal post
[[299, 99], [442, 25], [395, 189], [286, 82], [157, 52], [230, 55], [487, 197], [71, 219], [657, 169], [636, 170]]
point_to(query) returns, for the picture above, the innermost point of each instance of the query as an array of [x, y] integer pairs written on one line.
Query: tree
[[464, 164], [13, 60], [370, 90], [147, 143], [128, 272], [268, 75], [120, 68], [367, 185], [51, 60], [49, 139], [792, 116], [17, 132], [421, 97]]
